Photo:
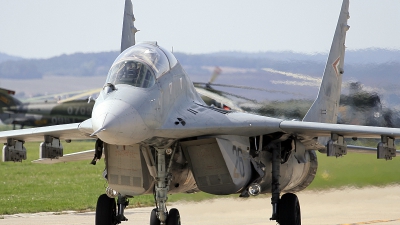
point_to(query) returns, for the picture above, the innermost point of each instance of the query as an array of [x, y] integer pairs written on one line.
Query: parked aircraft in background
[[159, 137], [43, 113]]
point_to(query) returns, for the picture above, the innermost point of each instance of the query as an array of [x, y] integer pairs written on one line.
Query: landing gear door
[[220, 164], [235, 150]]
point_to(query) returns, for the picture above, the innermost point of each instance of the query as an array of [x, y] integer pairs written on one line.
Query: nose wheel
[[154, 218], [173, 217]]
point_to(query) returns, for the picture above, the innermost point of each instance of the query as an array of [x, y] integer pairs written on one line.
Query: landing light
[[111, 193], [254, 189]]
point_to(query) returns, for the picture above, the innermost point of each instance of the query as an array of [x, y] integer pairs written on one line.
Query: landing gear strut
[[160, 215], [122, 203], [285, 210]]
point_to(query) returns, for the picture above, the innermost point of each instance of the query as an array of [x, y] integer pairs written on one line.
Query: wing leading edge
[[74, 131], [314, 129]]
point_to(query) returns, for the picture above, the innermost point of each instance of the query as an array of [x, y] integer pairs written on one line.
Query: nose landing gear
[[160, 215]]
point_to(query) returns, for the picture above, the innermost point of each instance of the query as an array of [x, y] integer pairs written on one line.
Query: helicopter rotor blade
[[247, 87]]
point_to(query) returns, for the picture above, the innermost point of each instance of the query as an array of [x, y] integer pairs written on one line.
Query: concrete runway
[[378, 206]]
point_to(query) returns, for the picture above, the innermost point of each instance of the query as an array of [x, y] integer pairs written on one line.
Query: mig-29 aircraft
[[159, 137]]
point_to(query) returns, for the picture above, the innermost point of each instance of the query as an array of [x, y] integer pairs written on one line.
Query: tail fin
[[7, 100], [325, 107], [128, 28]]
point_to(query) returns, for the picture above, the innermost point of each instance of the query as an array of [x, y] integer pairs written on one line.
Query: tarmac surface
[[378, 206]]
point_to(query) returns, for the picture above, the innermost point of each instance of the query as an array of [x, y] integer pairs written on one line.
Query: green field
[[28, 187]]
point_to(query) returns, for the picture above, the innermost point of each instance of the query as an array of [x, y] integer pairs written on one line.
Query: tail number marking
[[239, 164]]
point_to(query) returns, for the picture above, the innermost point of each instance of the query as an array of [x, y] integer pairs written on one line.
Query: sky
[[47, 28]]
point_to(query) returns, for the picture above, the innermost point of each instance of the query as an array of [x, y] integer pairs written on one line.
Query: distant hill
[[78, 64], [5, 57], [367, 62]]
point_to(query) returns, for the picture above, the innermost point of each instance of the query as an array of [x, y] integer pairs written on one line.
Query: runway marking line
[[371, 222]]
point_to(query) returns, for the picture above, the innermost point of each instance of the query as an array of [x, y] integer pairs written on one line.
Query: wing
[[208, 121], [50, 137], [335, 144], [315, 129], [74, 131]]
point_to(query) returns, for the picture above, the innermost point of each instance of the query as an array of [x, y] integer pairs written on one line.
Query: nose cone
[[117, 122]]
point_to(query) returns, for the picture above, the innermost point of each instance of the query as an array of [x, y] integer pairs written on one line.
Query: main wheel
[[173, 217], [153, 218], [289, 210], [105, 211]]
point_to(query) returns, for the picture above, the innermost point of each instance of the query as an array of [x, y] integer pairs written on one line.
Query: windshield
[[131, 72], [159, 59]]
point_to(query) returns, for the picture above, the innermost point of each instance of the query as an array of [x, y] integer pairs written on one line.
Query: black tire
[[106, 211], [173, 217], [289, 210], [153, 218]]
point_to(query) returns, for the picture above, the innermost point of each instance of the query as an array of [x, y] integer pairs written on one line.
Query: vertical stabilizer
[[7, 100], [128, 28], [8, 103], [325, 107]]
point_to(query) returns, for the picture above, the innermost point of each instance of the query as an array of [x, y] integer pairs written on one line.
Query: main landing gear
[[106, 210], [109, 212], [160, 214], [285, 210]]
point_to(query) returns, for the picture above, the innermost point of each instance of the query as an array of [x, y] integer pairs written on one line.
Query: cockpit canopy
[[131, 72], [140, 65]]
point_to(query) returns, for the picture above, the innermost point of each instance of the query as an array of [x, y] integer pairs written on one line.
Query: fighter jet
[[159, 137]]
